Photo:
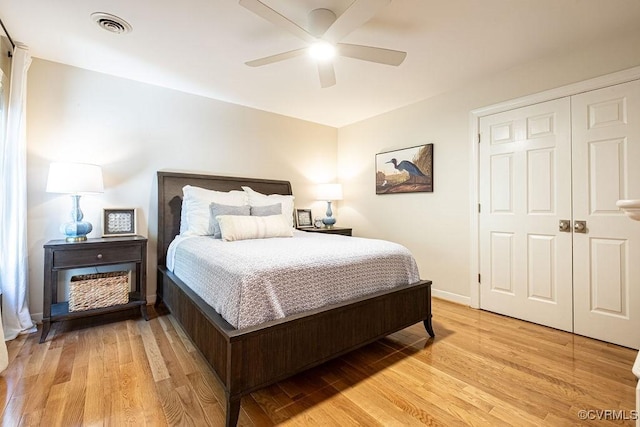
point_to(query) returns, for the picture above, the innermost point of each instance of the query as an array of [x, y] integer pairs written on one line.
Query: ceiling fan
[[325, 30]]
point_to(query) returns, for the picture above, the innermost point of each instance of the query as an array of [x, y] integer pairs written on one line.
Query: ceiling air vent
[[111, 23]]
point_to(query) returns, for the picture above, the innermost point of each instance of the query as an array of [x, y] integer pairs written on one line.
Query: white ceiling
[[200, 46]]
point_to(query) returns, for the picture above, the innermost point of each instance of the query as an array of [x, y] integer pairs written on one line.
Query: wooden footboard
[[248, 359]]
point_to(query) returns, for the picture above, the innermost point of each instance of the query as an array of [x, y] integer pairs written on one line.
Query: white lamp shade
[[329, 192], [74, 178]]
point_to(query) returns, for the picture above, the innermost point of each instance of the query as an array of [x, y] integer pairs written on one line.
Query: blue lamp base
[[77, 229], [329, 221]]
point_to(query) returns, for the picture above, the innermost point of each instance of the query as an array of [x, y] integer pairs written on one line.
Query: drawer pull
[[99, 256]]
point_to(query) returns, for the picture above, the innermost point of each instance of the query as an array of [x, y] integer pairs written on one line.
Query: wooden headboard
[[170, 198]]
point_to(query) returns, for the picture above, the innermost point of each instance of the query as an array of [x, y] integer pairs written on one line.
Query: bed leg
[[428, 326], [233, 411]]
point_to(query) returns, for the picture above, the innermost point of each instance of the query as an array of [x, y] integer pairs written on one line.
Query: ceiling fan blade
[[275, 58], [355, 16], [372, 54], [265, 12], [327, 74]]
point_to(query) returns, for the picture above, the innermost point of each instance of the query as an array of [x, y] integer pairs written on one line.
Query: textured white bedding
[[250, 282]]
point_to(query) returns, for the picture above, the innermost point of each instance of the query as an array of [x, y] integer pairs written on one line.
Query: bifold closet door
[[606, 168], [525, 192]]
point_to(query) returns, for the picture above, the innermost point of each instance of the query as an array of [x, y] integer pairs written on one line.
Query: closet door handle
[[580, 227], [564, 226]]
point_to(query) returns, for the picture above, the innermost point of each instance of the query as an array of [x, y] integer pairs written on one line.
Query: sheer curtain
[[16, 318]]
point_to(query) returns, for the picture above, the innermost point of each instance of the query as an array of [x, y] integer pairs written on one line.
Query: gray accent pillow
[[266, 210], [216, 209]]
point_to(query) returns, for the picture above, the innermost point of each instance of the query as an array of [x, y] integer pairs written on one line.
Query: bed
[[251, 358]]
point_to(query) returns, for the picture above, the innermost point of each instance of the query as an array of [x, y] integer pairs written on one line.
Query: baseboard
[[449, 296]]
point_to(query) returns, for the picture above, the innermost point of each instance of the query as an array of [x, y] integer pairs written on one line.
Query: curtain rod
[[13, 45]]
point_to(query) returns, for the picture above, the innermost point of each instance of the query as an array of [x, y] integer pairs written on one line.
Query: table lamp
[[329, 193], [75, 179]]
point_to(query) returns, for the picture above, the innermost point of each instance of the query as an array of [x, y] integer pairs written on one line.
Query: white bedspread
[[250, 282]]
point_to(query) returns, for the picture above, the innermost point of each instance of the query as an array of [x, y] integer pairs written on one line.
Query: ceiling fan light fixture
[[323, 37], [322, 51]]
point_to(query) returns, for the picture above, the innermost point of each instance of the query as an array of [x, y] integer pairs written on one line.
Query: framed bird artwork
[[408, 170]]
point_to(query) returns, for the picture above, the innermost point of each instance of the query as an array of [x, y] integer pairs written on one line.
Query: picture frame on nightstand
[[303, 218], [118, 222]]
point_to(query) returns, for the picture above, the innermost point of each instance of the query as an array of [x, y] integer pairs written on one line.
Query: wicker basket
[[98, 290]]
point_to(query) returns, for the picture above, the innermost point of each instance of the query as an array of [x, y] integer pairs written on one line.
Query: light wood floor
[[481, 369]]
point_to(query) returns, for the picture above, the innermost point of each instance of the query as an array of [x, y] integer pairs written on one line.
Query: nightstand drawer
[[97, 256]]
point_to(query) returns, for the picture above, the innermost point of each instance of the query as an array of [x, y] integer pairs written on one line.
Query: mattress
[[250, 282]]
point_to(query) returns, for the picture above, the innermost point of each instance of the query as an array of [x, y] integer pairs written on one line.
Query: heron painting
[[408, 170]]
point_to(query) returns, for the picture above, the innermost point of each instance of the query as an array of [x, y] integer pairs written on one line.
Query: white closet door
[[525, 190], [606, 167]]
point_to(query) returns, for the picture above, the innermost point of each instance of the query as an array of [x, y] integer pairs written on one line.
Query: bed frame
[[248, 359]]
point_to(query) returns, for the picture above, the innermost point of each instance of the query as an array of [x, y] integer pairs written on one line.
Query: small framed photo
[[118, 222], [303, 218]]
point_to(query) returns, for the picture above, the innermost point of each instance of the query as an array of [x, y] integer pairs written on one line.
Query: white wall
[[436, 226], [133, 130]]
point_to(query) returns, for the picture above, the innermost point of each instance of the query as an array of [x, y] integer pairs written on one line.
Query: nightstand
[[62, 255], [334, 230]]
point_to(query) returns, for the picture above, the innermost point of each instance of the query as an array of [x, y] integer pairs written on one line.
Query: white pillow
[[184, 226], [195, 208], [235, 227], [259, 199]]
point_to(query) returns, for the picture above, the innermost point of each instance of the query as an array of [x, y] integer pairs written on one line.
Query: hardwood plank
[[365, 395], [94, 399], [481, 369], [339, 409], [130, 398], [168, 355], [35, 358], [74, 400], [152, 407], [13, 411], [499, 408], [37, 398], [257, 415], [32, 419], [405, 374], [54, 409], [158, 367], [186, 342], [63, 371], [302, 385], [212, 408], [123, 343], [113, 406], [25, 366], [17, 347], [179, 404], [82, 348], [187, 364], [270, 400]]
